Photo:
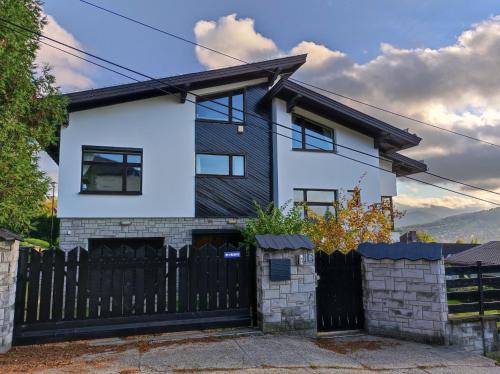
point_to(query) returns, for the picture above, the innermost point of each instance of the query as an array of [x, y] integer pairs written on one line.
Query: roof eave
[[403, 166], [269, 69], [388, 138]]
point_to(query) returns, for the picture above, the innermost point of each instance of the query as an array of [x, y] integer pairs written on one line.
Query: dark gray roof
[[141, 90], [399, 251], [454, 248], [9, 235], [280, 242], [388, 138], [403, 165], [488, 254]]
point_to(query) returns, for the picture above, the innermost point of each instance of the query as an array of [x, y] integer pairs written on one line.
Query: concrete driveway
[[243, 351]]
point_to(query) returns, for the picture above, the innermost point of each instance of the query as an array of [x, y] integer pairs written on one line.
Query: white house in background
[[183, 161]]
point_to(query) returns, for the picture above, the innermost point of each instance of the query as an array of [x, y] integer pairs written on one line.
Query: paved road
[[249, 353]]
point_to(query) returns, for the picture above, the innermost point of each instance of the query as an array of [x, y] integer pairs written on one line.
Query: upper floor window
[[222, 108], [109, 170], [310, 136], [318, 201], [225, 165]]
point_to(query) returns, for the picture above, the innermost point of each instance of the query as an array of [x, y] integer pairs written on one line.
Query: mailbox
[[279, 269]]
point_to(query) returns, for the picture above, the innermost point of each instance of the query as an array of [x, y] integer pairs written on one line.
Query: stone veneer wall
[[9, 253], [406, 299], [176, 231], [286, 306], [474, 333]]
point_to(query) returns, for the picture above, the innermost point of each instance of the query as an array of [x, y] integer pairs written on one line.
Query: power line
[[210, 108], [290, 78]]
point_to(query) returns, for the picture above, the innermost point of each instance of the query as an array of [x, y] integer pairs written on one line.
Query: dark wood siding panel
[[233, 197]]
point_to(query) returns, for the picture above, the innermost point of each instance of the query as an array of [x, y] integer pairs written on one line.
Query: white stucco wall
[[387, 180], [163, 128], [314, 170]]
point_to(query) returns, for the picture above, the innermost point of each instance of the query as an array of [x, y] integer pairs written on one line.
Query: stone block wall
[[474, 333], [9, 253], [286, 306], [406, 299], [176, 231]]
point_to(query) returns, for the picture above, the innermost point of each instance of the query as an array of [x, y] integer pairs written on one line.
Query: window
[[225, 108], [309, 136], [354, 194], [388, 207], [318, 201], [111, 171], [225, 165]]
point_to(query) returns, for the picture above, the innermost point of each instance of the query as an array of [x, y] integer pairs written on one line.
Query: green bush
[[273, 220], [33, 242]]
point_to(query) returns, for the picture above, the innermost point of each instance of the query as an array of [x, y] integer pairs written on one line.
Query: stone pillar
[[406, 299], [287, 306], [9, 253]]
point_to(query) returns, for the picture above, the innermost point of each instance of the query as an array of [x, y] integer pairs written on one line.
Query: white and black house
[[154, 161]]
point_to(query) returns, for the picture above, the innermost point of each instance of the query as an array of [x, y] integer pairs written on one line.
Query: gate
[[339, 291], [131, 288]]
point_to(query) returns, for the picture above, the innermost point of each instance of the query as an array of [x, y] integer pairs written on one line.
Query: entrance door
[[216, 238], [339, 291]]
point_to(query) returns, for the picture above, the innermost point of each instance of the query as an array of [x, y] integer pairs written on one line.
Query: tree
[[274, 220], [31, 109], [352, 224], [424, 237]]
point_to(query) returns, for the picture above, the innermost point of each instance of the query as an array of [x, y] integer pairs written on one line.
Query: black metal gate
[[339, 291], [127, 287]]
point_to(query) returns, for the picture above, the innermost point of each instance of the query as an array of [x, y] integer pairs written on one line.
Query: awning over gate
[[400, 251]]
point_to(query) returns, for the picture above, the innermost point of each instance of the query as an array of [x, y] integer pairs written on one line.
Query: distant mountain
[[418, 216], [483, 226]]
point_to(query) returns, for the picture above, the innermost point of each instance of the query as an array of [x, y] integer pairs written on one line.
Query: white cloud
[[452, 202], [70, 72], [456, 86], [235, 36]]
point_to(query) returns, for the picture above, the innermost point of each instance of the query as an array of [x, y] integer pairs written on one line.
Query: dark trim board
[[121, 326]]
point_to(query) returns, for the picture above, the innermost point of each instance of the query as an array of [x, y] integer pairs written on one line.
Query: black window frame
[[351, 193], [125, 151], [391, 209], [315, 203], [229, 95], [230, 155], [305, 123]]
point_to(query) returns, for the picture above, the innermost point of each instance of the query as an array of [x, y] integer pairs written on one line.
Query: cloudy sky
[[437, 61]]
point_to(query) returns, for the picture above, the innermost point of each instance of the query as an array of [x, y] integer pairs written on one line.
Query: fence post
[[480, 288]]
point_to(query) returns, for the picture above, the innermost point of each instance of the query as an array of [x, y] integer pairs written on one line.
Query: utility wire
[[290, 78], [210, 108]]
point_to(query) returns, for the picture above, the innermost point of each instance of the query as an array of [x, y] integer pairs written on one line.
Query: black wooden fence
[[473, 288], [125, 289], [339, 295]]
